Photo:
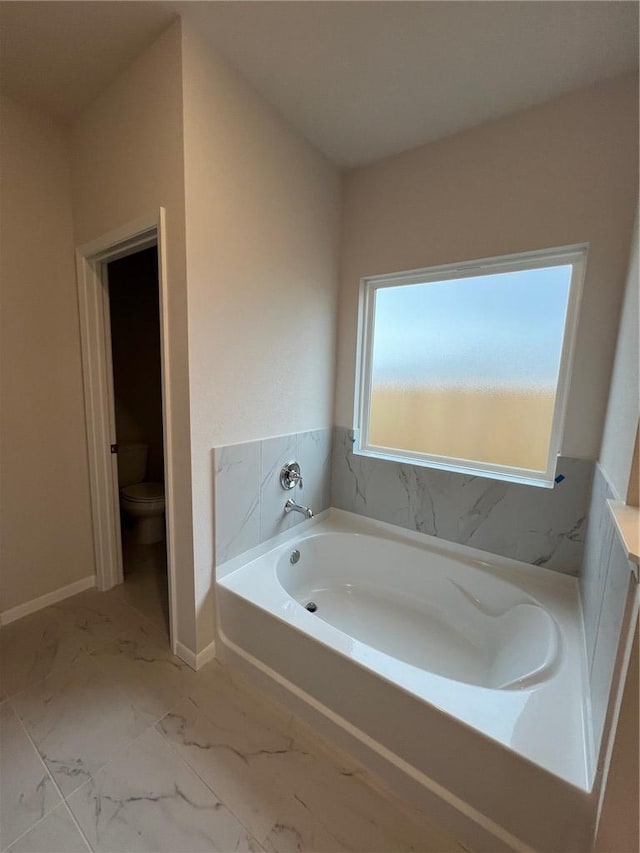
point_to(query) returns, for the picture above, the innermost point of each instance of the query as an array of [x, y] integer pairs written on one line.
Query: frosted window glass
[[468, 368]]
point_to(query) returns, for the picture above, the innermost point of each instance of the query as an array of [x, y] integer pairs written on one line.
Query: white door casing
[[97, 371]]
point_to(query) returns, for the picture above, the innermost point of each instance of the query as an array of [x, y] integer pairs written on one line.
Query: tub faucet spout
[[292, 506]]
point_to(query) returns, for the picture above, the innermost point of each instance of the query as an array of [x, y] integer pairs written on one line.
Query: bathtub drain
[[311, 607]]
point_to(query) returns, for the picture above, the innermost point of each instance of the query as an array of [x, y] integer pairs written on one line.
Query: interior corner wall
[[623, 409], [45, 516], [560, 173], [128, 161], [262, 213]]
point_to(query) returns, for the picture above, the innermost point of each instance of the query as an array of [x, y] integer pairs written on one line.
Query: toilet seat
[[143, 492]]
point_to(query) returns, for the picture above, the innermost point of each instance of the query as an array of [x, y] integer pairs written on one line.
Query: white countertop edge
[[627, 523]]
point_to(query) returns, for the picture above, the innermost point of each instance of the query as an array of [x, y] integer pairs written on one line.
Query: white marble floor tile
[[32, 649], [273, 754], [337, 799], [222, 754], [27, 792], [95, 618], [223, 769], [147, 799], [78, 720], [235, 707], [297, 829], [304, 779], [143, 667], [56, 833]]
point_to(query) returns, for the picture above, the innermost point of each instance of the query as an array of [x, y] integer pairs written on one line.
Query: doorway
[[96, 263], [134, 312]]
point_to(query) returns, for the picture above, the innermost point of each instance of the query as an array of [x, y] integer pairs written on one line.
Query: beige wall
[[621, 422], [618, 830], [46, 521], [261, 282], [262, 211], [127, 162], [561, 173]]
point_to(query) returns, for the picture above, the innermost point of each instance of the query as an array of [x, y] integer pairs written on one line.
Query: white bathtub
[[469, 675], [453, 621]]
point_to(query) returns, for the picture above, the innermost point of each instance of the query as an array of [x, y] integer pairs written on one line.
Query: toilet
[[141, 502]]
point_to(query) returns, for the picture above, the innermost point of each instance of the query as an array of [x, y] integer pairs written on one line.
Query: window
[[466, 367]]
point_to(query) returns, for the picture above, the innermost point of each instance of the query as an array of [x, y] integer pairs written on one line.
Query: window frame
[[574, 255]]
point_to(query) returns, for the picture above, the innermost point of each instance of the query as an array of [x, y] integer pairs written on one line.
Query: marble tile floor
[[145, 586], [110, 743]]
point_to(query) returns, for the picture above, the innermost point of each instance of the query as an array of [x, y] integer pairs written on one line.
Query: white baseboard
[[46, 600], [196, 661]]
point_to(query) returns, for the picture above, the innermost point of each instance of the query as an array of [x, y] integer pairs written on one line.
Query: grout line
[[119, 753], [208, 786], [46, 770], [63, 799], [33, 826], [78, 827], [318, 746], [83, 652]]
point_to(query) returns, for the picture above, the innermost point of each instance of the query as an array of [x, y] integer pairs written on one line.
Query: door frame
[[97, 372]]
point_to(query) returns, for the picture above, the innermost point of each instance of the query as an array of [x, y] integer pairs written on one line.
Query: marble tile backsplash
[[595, 564], [544, 527], [606, 581], [249, 500]]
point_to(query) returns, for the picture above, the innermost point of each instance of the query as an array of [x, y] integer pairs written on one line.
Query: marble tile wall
[[595, 563], [606, 581], [540, 526], [249, 500]]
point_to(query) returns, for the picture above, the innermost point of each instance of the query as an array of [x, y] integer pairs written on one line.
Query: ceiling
[[360, 80]]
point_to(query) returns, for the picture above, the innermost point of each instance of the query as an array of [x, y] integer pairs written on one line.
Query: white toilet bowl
[[144, 504]]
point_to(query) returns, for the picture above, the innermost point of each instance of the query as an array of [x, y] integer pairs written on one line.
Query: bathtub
[[462, 676]]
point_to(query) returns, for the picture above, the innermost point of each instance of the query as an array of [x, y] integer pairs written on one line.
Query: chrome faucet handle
[[290, 476]]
